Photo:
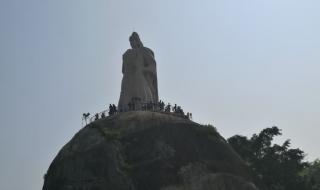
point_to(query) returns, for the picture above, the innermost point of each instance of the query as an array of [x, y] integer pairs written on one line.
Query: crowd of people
[[136, 105]]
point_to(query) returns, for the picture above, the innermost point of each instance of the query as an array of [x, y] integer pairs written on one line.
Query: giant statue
[[139, 85]]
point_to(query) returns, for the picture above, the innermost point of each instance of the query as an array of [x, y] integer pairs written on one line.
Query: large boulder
[[147, 151]]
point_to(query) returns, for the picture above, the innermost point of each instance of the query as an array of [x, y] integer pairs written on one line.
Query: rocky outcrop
[[147, 151]]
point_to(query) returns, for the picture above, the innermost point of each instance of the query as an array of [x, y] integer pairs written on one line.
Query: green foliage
[[312, 175], [209, 125], [111, 134], [211, 129], [276, 167]]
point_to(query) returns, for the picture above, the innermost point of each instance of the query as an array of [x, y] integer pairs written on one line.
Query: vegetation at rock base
[[312, 175], [276, 167]]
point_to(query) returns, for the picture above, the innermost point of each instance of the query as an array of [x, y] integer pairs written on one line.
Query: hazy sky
[[242, 65]]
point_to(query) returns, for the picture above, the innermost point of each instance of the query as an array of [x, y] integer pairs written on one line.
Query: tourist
[[174, 109], [110, 110], [114, 108], [168, 108]]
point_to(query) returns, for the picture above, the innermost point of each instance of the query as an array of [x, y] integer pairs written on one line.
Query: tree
[[275, 167], [312, 175]]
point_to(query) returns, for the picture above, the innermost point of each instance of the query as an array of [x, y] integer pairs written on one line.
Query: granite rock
[[147, 150]]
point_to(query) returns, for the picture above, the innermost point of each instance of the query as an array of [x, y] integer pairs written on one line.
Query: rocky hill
[[147, 151]]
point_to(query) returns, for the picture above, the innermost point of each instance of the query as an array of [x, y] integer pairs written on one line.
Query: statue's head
[[135, 41]]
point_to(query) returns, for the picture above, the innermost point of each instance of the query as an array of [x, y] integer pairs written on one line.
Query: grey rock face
[[147, 150], [139, 82]]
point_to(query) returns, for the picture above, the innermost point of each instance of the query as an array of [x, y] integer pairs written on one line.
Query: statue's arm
[[151, 52], [125, 58], [123, 64]]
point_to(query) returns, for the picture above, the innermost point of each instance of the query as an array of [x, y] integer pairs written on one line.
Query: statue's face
[[134, 43]]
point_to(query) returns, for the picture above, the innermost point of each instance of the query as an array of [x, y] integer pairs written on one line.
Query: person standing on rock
[[139, 75], [110, 110]]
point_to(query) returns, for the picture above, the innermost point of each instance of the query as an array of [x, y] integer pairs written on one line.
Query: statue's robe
[[139, 82]]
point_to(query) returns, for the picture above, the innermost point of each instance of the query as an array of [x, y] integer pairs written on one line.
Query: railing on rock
[[154, 107]]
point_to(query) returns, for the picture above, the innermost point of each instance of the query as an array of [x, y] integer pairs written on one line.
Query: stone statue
[[139, 83]]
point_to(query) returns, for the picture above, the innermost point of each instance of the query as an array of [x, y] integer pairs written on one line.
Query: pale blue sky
[[240, 65]]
